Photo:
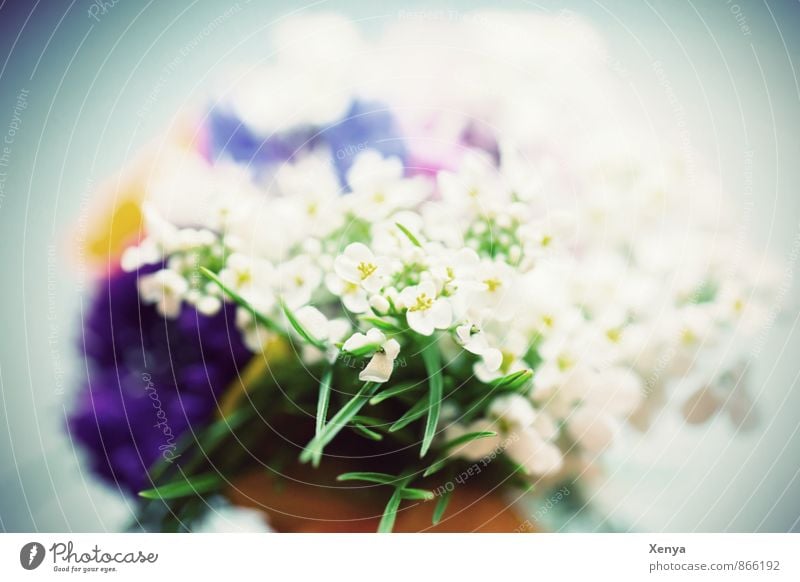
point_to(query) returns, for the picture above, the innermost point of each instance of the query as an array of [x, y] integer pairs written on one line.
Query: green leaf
[[313, 450], [196, 485], [300, 328], [370, 477], [432, 359], [369, 433], [417, 494], [408, 234], [393, 391], [324, 399], [513, 381], [241, 301], [412, 414], [366, 349], [465, 438], [439, 463], [441, 507], [435, 467], [381, 324], [390, 512], [369, 420]]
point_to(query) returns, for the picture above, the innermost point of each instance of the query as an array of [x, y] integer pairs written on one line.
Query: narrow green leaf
[[300, 328], [241, 301], [513, 380], [435, 467], [369, 433], [369, 420], [393, 391], [408, 234], [441, 507], [371, 477], [432, 360], [412, 414], [381, 324], [390, 513], [439, 463], [465, 438], [366, 349], [313, 450], [196, 485], [324, 399], [417, 494]]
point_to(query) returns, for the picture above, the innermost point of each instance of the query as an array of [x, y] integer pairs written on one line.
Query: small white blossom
[[424, 311]]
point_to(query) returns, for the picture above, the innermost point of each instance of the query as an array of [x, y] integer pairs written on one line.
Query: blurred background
[[85, 84]]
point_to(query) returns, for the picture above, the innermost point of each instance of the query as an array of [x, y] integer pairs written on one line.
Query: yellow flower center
[[243, 278], [379, 197], [366, 269], [614, 334], [564, 363], [492, 284], [547, 320], [423, 303]]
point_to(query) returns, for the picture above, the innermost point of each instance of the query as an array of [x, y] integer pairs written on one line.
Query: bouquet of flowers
[[405, 264]]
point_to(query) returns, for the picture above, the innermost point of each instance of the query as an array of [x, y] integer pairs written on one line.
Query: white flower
[[251, 277], [379, 187], [380, 366], [314, 322], [424, 311], [475, 341], [146, 253], [360, 266], [593, 429], [254, 334], [476, 449], [353, 295], [453, 269], [507, 359], [373, 337], [539, 457], [297, 279], [166, 289], [379, 304]]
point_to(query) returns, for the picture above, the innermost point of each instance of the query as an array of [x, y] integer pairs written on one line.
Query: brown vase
[[302, 503]]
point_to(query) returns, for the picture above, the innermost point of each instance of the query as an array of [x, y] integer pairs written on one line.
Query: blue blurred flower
[[366, 125]]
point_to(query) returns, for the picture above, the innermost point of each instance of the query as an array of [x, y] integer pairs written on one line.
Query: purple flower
[[149, 379]]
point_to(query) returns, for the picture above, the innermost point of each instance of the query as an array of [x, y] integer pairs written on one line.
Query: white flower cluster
[[597, 267]]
